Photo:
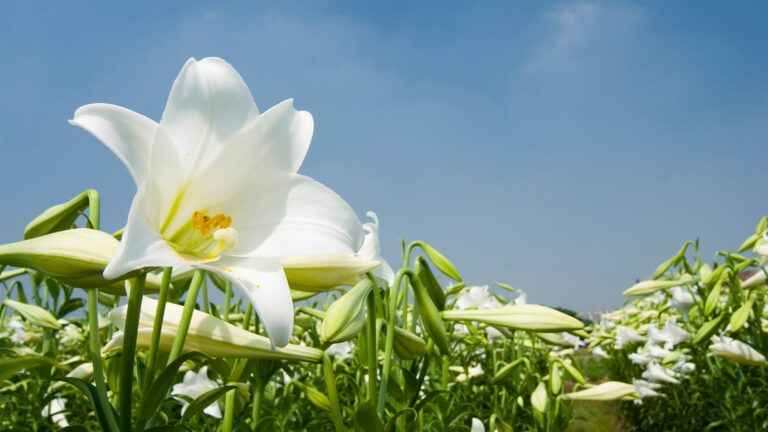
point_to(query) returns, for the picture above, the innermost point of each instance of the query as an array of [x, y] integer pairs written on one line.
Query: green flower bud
[[430, 282], [539, 398], [649, 286], [607, 391], [61, 216], [527, 317], [345, 317], [663, 267], [507, 369], [555, 380], [317, 273], [741, 315], [407, 345], [430, 316], [207, 334], [708, 329], [440, 261], [34, 314], [76, 257]]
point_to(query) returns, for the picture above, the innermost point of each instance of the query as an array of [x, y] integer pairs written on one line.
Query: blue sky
[[565, 148]]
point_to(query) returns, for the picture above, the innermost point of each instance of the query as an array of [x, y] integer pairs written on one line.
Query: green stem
[[98, 371], [227, 298], [257, 390], [373, 363], [157, 327], [206, 305], [333, 394], [390, 340], [247, 317], [229, 411], [129, 350], [186, 316]]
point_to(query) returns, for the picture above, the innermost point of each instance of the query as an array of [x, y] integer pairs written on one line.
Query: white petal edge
[[284, 214], [263, 281], [141, 245], [127, 134]]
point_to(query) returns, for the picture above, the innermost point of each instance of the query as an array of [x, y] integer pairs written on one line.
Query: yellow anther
[[205, 224]]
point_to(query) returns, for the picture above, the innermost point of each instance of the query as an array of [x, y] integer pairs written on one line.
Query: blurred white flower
[[477, 425], [472, 372], [342, 350], [521, 299], [626, 335], [70, 334], [194, 385], [55, 409], [641, 358], [658, 373], [477, 297], [736, 351], [600, 352], [570, 339], [681, 300], [646, 389], [16, 326], [658, 352], [671, 335]]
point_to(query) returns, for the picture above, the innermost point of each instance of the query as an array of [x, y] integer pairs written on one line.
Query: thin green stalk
[[186, 316], [129, 350], [256, 408], [206, 305], [373, 363], [229, 411], [98, 371], [390, 340], [227, 298], [247, 316], [157, 327], [333, 394]]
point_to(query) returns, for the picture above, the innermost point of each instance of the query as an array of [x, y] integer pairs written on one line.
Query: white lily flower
[[757, 279], [16, 326], [521, 299], [218, 188], [656, 372], [736, 351], [626, 335], [646, 388], [573, 340], [472, 372], [658, 352], [492, 333], [194, 385], [342, 350], [641, 358], [681, 300], [477, 425], [671, 335], [477, 297], [598, 351], [55, 409], [371, 250]]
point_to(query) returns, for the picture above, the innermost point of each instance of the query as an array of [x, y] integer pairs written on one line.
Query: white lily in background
[[341, 350], [194, 385], [477, 425], [598, 351], [625, 335], [371, 250], [656, 372], [218, 188], [16, 326], [737, 351], [671, 335], [55, 409], [646, 388], [477, 297]]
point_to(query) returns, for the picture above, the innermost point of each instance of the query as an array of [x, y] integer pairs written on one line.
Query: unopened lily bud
[[317, 273], [741, 315], [206, 334], [61, 216], [84, 371], [649, 286], [555, 380], [407, 345], [76, 257], [430, 316], [663, 267], [736, 351], [507, 369], [527, 317], [713, 298], [34, 314], [539, 398], [345, 317], [430, 282], [757, 279], [440, 261], [607, 391], [708, 329], [315, 396]]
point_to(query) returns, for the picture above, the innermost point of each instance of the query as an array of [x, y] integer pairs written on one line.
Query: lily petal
[[264, 282], [128, 134], [284, 214], [209, 102], [142, 245]]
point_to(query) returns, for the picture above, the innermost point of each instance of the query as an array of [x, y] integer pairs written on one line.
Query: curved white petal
[[284, 214], [264, 282], [141, 245], [128, 134], [371, 250], [208, 103], [277, 140]]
